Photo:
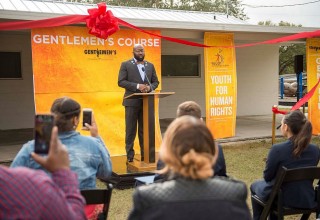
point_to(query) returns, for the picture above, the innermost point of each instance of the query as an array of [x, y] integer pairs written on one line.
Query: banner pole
[[273, 126]]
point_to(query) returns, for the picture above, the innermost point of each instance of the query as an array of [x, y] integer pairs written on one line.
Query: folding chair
[[99, 196], [275, 202]]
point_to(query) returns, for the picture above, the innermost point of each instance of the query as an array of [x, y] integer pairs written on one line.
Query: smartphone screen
[[42, 133], [87, 116]]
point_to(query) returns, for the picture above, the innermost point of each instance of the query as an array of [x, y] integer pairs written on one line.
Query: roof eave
[[217, 26], [165, 24]]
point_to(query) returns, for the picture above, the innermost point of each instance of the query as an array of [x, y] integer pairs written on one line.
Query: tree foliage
[[287, 52], [233, 7]]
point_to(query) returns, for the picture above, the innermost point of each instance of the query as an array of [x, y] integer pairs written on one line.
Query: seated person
[[32, 194], [89, 157], [294, 153], [193, 109], [189, 152]]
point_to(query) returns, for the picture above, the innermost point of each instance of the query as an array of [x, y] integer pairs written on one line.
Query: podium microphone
[[145, 74]]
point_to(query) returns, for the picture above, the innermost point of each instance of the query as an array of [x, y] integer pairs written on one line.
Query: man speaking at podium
[[136, 76]]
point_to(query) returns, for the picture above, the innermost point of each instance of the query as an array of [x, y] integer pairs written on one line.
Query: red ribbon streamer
[[284, 39], [300, 102], [277, 111], [172, 39], [50, 22], [102, 23], [305, 98]]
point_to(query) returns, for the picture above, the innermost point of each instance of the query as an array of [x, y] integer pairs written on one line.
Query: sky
[[307, 15]]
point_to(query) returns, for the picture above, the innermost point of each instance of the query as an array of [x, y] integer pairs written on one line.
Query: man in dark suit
[[136, 76]]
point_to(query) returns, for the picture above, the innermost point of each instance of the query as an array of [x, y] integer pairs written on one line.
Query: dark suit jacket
[[129, 77], [216, 198], [295, 194]]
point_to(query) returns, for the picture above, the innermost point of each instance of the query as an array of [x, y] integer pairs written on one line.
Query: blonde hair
[[188, 148]]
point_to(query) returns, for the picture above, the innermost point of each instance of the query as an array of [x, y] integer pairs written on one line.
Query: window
[[10, 65], [180, 65]]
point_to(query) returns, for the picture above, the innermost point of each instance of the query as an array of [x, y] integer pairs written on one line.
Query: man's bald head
[[138, 47], [138, 52]]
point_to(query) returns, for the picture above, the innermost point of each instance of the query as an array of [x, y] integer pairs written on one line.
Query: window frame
[[20, 74], [183, 76]]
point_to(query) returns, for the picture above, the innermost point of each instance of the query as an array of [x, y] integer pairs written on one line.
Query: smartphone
[[87, 116], [42, 133]]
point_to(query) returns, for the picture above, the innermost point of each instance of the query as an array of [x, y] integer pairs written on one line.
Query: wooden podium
[[149, 162]]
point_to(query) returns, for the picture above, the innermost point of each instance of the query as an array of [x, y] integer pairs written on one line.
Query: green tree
[[267, 23], [287, 52], [139, 3], [232, 7]]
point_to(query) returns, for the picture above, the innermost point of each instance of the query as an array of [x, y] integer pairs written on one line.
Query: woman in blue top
[[294, 153], [89, 157]]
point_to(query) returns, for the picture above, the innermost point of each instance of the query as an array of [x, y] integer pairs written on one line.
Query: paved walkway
[[254, 127], [248, 128], [11, 142]]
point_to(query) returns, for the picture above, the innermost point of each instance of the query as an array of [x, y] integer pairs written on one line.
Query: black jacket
[[216, 198]]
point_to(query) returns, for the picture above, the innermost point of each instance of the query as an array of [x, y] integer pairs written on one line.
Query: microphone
[[145, 74]]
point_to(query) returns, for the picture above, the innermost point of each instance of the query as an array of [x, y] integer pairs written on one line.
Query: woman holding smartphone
[[89, 157]]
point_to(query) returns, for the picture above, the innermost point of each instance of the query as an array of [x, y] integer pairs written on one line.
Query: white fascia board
[[217, 26], [26, 15]]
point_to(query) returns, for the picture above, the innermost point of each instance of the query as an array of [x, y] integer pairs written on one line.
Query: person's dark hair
[[301, 130], [188, 148], [64, 110], [189, 108]]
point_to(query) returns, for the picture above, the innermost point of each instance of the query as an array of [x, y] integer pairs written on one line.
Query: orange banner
[[221, 84], [67, 61], [313, 69]]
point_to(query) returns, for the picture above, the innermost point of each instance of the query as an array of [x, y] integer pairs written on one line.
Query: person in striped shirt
[[32, 194]]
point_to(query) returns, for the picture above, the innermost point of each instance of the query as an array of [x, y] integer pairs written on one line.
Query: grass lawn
[[245, 161]]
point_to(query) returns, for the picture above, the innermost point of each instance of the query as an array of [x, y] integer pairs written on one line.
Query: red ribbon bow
[[101, 22]]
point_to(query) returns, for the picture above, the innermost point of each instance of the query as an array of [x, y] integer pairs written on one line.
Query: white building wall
[[257, 73], [185, 88], [16, 96]]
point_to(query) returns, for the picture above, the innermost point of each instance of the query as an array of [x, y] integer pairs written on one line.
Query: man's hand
[[93, 128], [143, 88], [57, 158]]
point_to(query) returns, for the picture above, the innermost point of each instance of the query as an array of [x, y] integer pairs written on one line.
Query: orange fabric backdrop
[[313, 69], [67, 61], [221, 84]]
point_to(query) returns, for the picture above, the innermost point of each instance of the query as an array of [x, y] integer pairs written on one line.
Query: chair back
[[99, 196], [284, 175]]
